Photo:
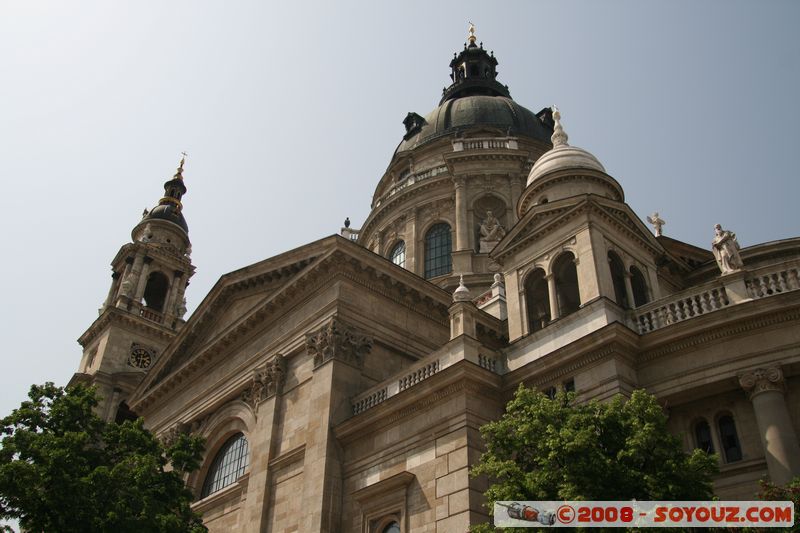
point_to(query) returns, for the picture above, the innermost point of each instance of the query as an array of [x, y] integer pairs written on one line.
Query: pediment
[[243, 300], [545, 218]]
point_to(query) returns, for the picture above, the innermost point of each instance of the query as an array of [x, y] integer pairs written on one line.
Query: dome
[[168, 212], [457, 114], [563, 156]]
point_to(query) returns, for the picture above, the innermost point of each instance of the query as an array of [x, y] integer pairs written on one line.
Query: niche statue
[[491, 233]]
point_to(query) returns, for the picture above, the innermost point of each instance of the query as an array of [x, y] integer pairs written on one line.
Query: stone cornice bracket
[[267, 381], [763, 380], [337, 340]]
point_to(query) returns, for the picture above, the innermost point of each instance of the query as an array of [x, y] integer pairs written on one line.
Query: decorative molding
[[267, 381], [763, 380], [169, 436], [337, 340]]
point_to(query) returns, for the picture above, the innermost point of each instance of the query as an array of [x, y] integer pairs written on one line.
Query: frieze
[[267, 381], [337, 340]]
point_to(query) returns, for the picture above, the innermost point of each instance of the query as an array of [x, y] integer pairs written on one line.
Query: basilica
[[340, 386]]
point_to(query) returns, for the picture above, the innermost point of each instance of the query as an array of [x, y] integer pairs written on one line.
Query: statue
[[126, 287], [726, 250], [181, 310], [657, 223], [491, 233]]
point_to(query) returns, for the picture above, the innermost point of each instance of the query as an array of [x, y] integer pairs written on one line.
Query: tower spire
[[473, 72]]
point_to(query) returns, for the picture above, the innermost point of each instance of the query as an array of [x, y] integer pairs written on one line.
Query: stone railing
[[422, 370], [151, 315], [696, 301], [411, 180], [761, 284], [350, 233], [489, 143]]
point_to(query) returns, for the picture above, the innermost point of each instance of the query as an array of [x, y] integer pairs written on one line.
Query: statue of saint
[[657, 223], [491, 232], [726, 250]]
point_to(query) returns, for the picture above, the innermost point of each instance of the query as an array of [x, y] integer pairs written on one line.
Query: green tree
[[543, 449], [63, 469]]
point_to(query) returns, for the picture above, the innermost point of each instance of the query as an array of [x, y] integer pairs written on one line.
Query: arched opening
[[438, 249], [392, 527], [537, 300], [566, 277], [155, 292], [398, 254], [729, 439], [639, 286], [124, 413], [618, 277], [229, 464], [702, 436]]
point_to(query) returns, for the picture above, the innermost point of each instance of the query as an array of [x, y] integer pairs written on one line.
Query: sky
[[290, 113]]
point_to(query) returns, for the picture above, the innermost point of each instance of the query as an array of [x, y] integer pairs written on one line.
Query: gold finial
[[472, 37]]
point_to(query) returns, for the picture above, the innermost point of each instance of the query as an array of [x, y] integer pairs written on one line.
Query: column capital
[[762, 380], [459, 181]]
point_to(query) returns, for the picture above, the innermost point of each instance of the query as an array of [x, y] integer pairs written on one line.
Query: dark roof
[[458, 114], [170, 213]]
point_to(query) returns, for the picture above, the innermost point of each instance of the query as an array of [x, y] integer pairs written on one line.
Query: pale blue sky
[[291, 111]]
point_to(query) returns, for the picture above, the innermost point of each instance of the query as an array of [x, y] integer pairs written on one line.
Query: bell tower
[[145, 305]]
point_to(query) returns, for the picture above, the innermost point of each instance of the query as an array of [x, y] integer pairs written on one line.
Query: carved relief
[[169, 437], [338, 341], [267, 381], [762, 380]]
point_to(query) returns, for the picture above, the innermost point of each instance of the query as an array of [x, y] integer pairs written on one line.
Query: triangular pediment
[[542, 219], [265, 291]]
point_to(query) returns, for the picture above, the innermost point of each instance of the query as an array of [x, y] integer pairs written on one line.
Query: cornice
[[113, 315], [672, 345]]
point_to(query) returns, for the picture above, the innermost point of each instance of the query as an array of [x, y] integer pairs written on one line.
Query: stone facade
[[360, 386]]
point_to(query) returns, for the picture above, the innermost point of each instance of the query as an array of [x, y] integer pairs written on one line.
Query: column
[[516, 191], [462, 225], [142, 279], [129, 277], [110, 298], [766, 386], [262, 452], [553, 295], [629, 289], [174, 288], [411, 244]]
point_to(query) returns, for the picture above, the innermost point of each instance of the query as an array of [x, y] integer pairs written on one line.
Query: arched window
[[566, 273], [618, 277], [393, 527], [438, 247], [639, 287], [537, 300], [398, 255], [229, 464], [702, 436], [728, 439], [155, 292]]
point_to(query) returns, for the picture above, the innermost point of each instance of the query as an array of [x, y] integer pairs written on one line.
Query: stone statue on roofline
[[726, 250]]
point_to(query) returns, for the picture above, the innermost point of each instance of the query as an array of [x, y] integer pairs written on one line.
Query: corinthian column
[[765, 386]]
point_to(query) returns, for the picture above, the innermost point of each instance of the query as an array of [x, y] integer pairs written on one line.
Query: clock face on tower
[[140, 357]]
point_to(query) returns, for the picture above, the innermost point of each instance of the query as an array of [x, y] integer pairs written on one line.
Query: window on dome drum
[[229, 464], [394, 527], [398, 255], [702, 436], [618, 277], [155, 292], [639, 286], [728, 439], [438, 248], [537, 300], [566, 274]]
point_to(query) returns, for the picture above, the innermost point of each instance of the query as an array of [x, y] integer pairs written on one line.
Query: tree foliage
[[543, 449], [63, 469]]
